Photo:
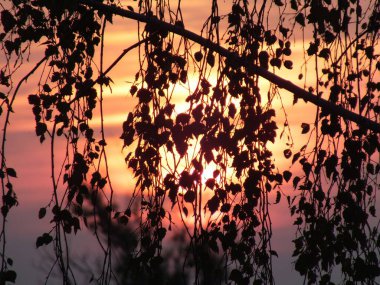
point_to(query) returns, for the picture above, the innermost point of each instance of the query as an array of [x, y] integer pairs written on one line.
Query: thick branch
[[238, 60]]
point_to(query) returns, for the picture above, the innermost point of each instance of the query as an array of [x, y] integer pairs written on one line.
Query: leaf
[[288, 64], [10, 276], [123, 220], [173, 193], [7, 20], [313, 48], [185, 211], [276, 62], [296, 180], [10, 261], [287, 175], [41, 128], [45, 239], [287, 153], [372, 211], [264, 59], [330, 165], [161, 233], [324, 53], [278, 3], [305, 128], [300, 19], [225, 208], [4, 210], [46, 88], [183, 118], [278, 197], [133, 90], [294, 4], [189, 196], [39, 242], [42, 213], [198, 56], [296, 157], [369, 51], [307, 168], [211, 59], [213, 204], [210, 183], [11, 172], [370, 168], [144, 95], [278, 178], [273, 252], [186, 180], [236, 276]]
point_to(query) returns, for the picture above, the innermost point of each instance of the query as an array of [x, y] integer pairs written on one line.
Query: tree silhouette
[[227, 126]]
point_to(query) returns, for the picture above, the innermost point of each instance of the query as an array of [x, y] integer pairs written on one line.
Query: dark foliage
[[227, 126]]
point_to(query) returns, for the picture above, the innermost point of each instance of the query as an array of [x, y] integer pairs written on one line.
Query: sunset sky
[[32, 162]]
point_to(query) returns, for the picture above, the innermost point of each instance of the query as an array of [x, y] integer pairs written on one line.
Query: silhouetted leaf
[[189, 196], [225, 208], [278, 197], [213, 204], [273, 252], [372, 211], [45, 239], [294, 4], [300, 19], [305, 128], [210, 183], [10, 276], [278, 3], [211, 59], [7, 20], [287, 175], [41, 129], [296, 157], [313, 49], [288, 64], [296, 180], [144, 95], [330, 164], [42, 213], [161, 233], [324, 53], [236, 276], [287, 153], [11, 172], [306, 166], [264, 59], [10, 261], [198, 56], [186, 180]]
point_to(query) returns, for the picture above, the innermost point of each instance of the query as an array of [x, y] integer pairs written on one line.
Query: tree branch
[[238, 60]]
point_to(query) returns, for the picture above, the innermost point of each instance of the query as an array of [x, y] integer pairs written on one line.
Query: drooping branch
[[240, 61]]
